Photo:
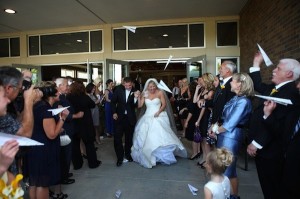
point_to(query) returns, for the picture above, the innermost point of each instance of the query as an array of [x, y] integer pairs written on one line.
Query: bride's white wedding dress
[[154, 140]]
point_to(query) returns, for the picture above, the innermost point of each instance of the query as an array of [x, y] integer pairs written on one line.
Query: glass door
[[116, 70], [35, 70], [195, 67]]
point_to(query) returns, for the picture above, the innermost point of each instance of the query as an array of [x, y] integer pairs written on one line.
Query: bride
[[154, 138]]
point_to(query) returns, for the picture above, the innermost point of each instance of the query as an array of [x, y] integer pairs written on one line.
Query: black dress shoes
[[70, 175], [68, 181], [96, 165], [129, 158], [119, 163]]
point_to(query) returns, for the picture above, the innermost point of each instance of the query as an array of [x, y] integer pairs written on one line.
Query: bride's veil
[[168, 108]]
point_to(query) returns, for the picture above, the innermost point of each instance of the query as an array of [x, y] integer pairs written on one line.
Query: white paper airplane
[[170, 57], [281, 101], [58, 110], [130, 28], [193, 189], [267, 60], [118, 193], [163, 86], [23, 141]]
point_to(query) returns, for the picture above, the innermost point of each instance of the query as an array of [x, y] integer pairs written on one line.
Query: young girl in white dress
[[219, 185]]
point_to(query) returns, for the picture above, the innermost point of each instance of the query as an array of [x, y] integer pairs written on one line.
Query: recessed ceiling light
[[79, 40], [10, 11], [165, 35]]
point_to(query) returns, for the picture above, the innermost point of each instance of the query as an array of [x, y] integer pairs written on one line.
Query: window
[[96, 41], [10, 47], [4, 48], [196, 35], [159, 37], [15, 47], [34, 45], [64, 43], [120, 39], [227, 34], [82, 75], [66, 72]]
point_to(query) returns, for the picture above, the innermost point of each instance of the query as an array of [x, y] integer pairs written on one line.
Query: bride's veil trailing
[[168, 108]]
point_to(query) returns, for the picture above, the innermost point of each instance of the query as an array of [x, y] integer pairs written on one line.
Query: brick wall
[[275, 25]]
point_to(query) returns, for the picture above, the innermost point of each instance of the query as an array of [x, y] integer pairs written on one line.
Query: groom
[[123, 104]]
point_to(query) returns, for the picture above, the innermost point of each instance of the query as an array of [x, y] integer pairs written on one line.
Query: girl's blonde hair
[[219, 160]]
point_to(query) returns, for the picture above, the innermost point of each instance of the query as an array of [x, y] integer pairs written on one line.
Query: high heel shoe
[[195, 156], [201, 164]]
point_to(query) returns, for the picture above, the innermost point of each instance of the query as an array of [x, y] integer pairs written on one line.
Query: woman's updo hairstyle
[[219, 160]]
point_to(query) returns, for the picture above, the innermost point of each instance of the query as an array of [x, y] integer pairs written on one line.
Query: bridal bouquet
[[12, 191]]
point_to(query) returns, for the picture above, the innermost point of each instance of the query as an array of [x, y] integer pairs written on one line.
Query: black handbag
[[197, 135]]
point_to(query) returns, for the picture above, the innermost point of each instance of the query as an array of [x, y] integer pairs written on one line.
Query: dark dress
[[182, 103], [43, 161], [108, 114], [195, 111], [84, 129]]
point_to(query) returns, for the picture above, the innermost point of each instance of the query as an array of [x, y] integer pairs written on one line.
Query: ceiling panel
[[41, 14]]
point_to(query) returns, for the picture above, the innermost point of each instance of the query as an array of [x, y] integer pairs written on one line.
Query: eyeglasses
[[17, 87]]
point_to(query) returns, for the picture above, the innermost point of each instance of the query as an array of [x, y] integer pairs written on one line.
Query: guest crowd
[[221, 108]]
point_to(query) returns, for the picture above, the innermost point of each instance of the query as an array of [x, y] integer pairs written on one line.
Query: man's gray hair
[[59, 81], [231, 66], [10, 76], [292, 65]]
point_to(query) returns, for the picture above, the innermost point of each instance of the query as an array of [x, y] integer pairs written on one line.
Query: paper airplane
[[118, 193], [193, 189], [281, 101], [58, 110], [163, 86], [23, 141], [170, 57], [267, 60], [130, 28]]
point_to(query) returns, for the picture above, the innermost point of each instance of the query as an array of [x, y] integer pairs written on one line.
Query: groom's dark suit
[[126, 121], [269, 160]]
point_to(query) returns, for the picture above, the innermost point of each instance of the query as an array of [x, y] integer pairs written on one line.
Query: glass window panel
[[34, 45], [4, 48], [119, 39], [66, 72], [96, 41], [158, 37], [15, 47], [196, 35], [82, 75], [65, 43], [227, 34]]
